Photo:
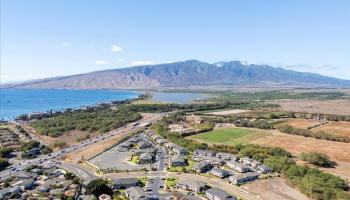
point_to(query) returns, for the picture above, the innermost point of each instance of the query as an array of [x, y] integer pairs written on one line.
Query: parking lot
[[114, 159]]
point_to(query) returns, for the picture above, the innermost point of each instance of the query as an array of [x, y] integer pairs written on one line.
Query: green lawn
[[187, 168], [135, 160], [171, 182], [229, 136]]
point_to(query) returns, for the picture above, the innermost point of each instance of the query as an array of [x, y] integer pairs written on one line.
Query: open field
[[335, 107], [332, 127], [70, 138], [337, 128], [228, 112], [301, 123], [337, 151], [229, 136], [274, 188]]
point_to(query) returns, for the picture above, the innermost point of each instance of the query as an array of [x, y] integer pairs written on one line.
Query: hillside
[[187, 74]]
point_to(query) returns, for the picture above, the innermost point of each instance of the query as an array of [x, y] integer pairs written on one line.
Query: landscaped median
[[171, 182], [135, 160]]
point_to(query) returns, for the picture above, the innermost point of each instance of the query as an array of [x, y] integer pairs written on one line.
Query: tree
[[98, 187], [45, 149], [278, 163], [5, 151], [29, 145], [318, 159], [3, 163]]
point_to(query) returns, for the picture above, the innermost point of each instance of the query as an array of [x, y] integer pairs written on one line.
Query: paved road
[[162, 157], [214, 182], [157, 176], [85, 174], [59, 154]]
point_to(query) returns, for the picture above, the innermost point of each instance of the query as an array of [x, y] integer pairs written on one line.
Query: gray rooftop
[[126, 181], [135, 193], [221, 194]]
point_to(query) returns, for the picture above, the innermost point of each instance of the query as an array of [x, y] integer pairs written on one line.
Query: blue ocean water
[[14, 102]]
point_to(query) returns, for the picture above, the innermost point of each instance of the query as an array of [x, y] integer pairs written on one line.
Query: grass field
[[229, 136]]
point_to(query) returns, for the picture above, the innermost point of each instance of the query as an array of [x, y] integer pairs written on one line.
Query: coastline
[[4, 113]]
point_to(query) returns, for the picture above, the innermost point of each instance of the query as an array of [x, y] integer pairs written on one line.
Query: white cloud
[[101, 62], [66, 44], [121, 60], [116, 48], [141, 62]]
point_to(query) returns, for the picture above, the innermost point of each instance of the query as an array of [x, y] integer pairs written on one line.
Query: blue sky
[[52, 38]]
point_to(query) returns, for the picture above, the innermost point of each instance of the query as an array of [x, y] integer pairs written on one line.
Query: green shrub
[[29, 145], [5, 151], [98, 187], [278, 163], [3, 163], [318, 159]]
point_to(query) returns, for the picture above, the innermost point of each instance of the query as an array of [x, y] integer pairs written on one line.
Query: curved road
[[215, 182]]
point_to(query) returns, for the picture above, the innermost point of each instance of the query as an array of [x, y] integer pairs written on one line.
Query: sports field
[[229, 136]]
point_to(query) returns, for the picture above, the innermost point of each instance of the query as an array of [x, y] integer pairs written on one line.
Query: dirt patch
[[336, 107], [182, 127], [274, 188], [338, 128], [93, 149], [301, 123], [69, 138], [337, 151]]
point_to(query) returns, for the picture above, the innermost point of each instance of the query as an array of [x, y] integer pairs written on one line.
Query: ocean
[[14, 102]]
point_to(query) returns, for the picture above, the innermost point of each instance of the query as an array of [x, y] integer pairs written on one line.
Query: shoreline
[[112, 102]]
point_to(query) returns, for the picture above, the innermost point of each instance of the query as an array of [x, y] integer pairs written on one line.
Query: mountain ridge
[[189, 73]]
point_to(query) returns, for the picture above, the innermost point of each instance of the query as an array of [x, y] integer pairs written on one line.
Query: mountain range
[[185, 74]]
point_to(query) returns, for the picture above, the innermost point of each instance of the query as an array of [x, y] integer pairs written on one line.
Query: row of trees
[[261, 124], [308, 133], [168, 107]]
